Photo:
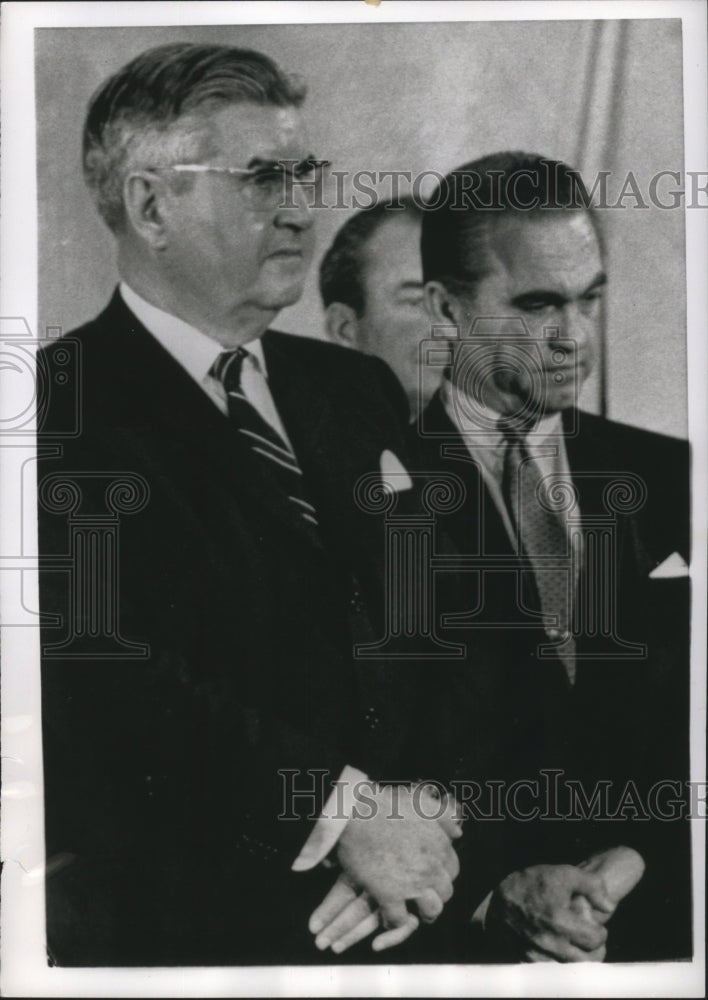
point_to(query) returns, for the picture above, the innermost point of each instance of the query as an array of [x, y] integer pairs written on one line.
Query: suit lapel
[[476, 527], [187, 419], [592, 469], [331, 460], [305, 408]]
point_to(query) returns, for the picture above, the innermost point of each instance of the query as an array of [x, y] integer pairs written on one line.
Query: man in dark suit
[[207, 572], [575, 603], [527, 728], [371, 284]]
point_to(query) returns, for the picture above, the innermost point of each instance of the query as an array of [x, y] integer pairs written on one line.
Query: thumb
[[451, 818], [593, 888]]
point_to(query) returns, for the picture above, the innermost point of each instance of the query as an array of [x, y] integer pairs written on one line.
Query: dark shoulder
[[636, 445], [341, 370], [92, 335], [661, 464], [321, 354]]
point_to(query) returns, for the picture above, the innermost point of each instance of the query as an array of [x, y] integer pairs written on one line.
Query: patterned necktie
[[263, 440], [543, 537]]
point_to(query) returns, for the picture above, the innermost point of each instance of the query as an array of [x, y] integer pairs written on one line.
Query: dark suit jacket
[[625, 719], [162, 780]]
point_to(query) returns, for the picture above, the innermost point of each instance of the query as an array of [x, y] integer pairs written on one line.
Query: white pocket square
[[393, 473], [675, 565]]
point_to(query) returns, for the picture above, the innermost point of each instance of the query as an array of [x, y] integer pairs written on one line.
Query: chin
[[280, 298], [561, 401]]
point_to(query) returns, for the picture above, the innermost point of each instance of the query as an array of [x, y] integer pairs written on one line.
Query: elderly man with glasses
[[205, 717]]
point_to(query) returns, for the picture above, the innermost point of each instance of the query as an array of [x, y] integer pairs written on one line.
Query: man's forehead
[[394, 249], [258, 132], [555, 242]]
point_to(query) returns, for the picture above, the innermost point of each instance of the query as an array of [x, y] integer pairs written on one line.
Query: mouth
[[286, 253], [569, 366]]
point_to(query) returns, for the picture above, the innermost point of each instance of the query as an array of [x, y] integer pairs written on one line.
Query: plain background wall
[[601, 95]]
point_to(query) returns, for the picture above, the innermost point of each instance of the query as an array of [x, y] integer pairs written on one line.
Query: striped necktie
[[262, 439], [543, 537]]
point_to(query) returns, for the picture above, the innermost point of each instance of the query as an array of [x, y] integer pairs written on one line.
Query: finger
[[533, 955], [451, 820], [429, 904], [394, 914], [452, 864], [345, 921], [580, 905], [362, 930], [558, 948], [592, 886], [580, 931], [340, 895], [536, 955], [442, 886], [623, 867], [441, 808], [389, 939]]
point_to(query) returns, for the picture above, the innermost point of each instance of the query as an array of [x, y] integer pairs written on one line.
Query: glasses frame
[[277, 167]]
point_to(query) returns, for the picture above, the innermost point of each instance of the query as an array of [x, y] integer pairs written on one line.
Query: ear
[[442, 307], [143, 196], [342, 324]]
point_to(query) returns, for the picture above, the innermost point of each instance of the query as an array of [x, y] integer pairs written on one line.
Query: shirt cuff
[[330, 824], [479, 916]]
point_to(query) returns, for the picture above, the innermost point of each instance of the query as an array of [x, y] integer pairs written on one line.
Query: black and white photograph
[[353, 552]]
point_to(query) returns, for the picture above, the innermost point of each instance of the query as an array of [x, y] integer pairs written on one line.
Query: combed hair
[[342, 267], [148, 107], [473, 197]]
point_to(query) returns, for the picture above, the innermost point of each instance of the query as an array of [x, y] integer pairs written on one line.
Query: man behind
[[208, 677], [371, 285]]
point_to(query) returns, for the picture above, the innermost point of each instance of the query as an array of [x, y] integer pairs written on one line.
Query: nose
[[576, 329], [295, 212]]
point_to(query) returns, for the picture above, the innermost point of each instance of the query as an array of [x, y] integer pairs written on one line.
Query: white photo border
[[24, 970]]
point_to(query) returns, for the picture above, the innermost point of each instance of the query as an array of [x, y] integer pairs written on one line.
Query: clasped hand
[[549, 913], [395, 849]]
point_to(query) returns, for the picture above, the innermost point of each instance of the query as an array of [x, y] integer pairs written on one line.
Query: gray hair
[[154, 108]]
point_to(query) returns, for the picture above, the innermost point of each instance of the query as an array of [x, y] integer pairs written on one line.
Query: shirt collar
[[194, 350], [479, 422]]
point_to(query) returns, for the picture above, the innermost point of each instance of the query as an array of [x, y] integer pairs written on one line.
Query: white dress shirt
[[546, 444], [196, 353]]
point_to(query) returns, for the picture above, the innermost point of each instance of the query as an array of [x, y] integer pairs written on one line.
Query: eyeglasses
[[266, 187]]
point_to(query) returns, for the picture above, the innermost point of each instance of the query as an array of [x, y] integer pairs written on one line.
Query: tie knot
[[227, 368], [515, 427]]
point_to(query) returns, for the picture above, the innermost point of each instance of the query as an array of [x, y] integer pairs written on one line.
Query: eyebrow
[[599, 281], [555, 298], [258, 163], [411, 286]]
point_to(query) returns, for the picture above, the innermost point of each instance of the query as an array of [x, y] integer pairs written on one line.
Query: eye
[[536, 305], [592, 299], [267, 179], [304, 171]]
